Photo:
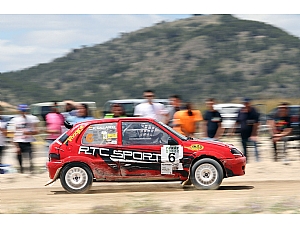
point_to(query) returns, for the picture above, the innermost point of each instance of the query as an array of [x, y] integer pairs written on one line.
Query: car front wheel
[[76, 178], [206, 174]]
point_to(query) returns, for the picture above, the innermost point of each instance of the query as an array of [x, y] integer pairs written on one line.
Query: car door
[[100, 141], [141, 149]]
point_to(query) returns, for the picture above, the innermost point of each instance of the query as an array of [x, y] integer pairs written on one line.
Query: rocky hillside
[[197, 57]]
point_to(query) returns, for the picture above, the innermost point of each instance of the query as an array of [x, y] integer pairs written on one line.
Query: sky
[[31, 34]]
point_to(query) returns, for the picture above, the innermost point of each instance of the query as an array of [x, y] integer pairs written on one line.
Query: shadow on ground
[[152, 188]]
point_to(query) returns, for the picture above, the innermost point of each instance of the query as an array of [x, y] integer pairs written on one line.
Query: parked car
[[294, 112], [129, 105], [229, 112], [138, 149]]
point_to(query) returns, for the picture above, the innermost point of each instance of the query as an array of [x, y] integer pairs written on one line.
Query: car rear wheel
[[206, 174], [76, 178]]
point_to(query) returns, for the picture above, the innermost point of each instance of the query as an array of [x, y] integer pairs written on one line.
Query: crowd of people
[[26, 126], [186, 120], [182, 117]]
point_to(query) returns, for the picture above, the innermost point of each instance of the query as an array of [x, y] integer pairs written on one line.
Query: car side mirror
[[172, 141], [68, 125]]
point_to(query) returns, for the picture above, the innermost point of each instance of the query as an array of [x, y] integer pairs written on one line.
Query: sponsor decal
[[170, 153], [120, 155], [104, 134], [195, 147], [89, 138], [77, 132], [112, 135], [170, 156], [166, 168], [105, 127]]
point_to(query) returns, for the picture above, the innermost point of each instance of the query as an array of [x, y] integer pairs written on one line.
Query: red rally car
[[138, 149]]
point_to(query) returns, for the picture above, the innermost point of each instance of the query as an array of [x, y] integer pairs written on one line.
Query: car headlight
[[236, 152]]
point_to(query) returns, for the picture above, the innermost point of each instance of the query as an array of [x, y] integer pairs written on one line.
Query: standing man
[[25, 127], [70, 111], [175, 102], [151, 109], [117, 111], [248, 119], [212, 128], [280, 127], [2, 133]]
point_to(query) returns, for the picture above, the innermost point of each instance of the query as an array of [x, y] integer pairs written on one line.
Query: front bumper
[[235, 166]]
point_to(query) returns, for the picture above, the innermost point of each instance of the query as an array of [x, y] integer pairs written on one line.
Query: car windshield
[[182, 137], [294, 110]]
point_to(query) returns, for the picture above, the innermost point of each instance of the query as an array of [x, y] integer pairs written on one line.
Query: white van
[[229, 112], [42, 109]]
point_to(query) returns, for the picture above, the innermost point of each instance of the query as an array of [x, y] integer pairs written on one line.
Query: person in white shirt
[[25, 126], [151, 109]]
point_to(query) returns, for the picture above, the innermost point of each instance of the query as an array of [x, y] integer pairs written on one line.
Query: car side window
[[143, 133], [105, 133]]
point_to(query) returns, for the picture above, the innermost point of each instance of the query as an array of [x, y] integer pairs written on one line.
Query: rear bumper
[[55, 177], [53, 167], [235, 167]]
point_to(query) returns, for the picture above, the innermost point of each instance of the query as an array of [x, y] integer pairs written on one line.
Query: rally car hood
[[200, 147], [209, 143]]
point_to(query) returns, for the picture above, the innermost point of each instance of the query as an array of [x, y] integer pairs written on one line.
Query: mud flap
[[187, 182], [55, 177]]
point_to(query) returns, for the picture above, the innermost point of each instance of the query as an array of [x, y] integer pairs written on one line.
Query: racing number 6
[[171, 157]]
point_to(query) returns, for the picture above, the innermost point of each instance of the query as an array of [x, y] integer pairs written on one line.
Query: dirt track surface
[[267, 187]]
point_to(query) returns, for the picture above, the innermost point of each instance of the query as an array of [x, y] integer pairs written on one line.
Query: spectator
[[2, 134], [151, 109], [280, 127], [187, 120], [212, 128], [25, 127], [82, 113], [248, 119], [70, 111], [175, 105], [117, 110], [70, 106], [54, 124]]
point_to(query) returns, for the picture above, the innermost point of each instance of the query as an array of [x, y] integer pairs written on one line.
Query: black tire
[[206, 174], [76, 178]]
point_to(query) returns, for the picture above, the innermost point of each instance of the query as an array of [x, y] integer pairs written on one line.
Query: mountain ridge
[[198, 57]]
